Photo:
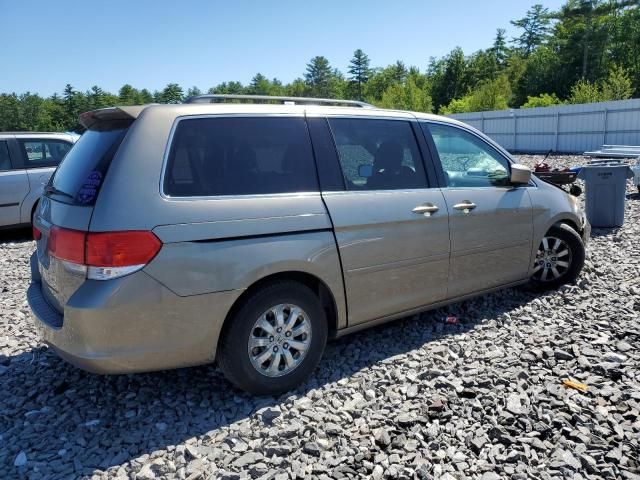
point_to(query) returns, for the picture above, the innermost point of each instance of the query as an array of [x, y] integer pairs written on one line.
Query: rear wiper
[[55, 191]]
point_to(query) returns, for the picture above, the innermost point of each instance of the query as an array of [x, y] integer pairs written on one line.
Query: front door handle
[[465, 206], [427, 209]]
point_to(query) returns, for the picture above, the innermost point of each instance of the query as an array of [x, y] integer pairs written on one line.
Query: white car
[[27, 160]]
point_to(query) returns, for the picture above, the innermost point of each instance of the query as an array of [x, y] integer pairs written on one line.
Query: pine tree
[[193, 92], [359, 72], [536, 26], [499, 49], [172, 93], [128, 95], [259, 85], [618, 85], [318, 77]]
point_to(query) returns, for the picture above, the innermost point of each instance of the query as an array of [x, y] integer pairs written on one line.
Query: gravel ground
[[418, 398]]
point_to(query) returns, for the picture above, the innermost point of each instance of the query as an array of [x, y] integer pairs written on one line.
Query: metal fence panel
[[563, 129]]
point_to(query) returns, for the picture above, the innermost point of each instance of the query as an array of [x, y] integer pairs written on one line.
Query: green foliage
[[584, 52], [449, 77], [584, 91], [542, 100], [490, 95], [407, 96], [535, 29], [193, 92], [319, 78], [499, 49], [359, 73], [172, 93], [618, 85]]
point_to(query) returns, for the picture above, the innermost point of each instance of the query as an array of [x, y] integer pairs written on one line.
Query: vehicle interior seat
[[388, 171]]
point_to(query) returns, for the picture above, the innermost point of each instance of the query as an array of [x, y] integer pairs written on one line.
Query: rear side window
[[378, 154], [80, 175], [5, 161], [240, 156], [44, 153]]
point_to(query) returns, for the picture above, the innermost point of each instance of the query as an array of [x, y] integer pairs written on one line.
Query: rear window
[[80, 175], [240, 156], [44, 153]]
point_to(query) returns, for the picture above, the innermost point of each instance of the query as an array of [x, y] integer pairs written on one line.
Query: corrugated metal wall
[[563, 129]]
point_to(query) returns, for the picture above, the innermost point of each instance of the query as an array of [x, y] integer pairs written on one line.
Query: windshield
[[80, 175]]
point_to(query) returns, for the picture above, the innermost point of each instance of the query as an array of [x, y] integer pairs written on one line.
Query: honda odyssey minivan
[[248, 234]]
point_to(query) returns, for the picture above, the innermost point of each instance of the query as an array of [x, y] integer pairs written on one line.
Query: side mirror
[[520, 174], [365, 171]]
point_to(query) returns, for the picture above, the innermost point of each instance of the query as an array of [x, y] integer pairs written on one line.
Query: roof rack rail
[[219, 97]]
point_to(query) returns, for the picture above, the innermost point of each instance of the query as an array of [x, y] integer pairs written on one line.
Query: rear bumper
[[131, 324]]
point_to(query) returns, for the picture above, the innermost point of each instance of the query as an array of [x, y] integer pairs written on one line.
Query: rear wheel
[[275, 340], [559, 259]]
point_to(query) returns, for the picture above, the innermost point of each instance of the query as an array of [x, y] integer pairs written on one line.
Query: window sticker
[[88, 190]]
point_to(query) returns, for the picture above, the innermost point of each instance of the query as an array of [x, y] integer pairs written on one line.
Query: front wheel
[[275, 340], [559, 259]]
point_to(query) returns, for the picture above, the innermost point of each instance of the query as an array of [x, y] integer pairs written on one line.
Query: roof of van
[[123, 112]]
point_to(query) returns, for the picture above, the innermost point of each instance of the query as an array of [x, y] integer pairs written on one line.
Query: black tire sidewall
[[573, 240], [233, 356]]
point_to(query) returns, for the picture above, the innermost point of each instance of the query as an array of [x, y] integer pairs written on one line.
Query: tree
[[233, 88], [542, 100], [399, 71], [499, 49], [318, 77], [359, 72], [406, 97], [618, 85], [297, 88], [127, 95], [172, 93], [74, 103], [542, 73], [259, 85], [585, 92], [536, 26], [193, 92], [492, 95], [146, 96], [449, 77]]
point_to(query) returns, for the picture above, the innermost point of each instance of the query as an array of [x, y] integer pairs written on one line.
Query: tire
[[571, 243], [240, 361]]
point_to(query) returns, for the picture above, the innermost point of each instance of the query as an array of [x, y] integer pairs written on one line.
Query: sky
[[49, 43]]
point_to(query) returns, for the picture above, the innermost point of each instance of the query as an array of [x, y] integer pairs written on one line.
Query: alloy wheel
[[279, 340], [552, 260]]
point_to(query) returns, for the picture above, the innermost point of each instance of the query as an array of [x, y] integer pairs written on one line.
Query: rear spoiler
[[88, 119]]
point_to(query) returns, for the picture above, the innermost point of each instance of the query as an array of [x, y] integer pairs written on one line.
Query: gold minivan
[[249, 233]]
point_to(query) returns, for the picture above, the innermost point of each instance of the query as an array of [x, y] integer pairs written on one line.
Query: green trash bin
[[605, 185]]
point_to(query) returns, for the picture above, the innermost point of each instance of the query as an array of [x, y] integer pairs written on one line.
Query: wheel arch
[[568, 222], [33, 209], [314, 283]]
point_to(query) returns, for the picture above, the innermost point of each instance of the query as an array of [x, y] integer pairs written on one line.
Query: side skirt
[[425, 308]]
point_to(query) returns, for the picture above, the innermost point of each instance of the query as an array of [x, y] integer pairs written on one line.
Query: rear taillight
[[65, 244], [114, 254], [37, 234], [104, 255]]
